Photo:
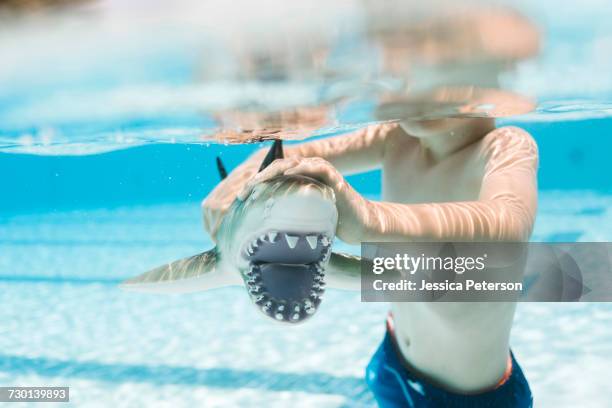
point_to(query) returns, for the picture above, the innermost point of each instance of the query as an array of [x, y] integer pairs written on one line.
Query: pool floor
[[64, 321]]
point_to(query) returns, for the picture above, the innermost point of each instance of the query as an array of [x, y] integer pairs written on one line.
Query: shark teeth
[[309, 308], [291, 240], [295, 312], [280, 312], [312, 241], [287, 310]]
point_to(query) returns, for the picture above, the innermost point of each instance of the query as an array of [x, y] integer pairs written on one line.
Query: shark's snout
[[285, 277]]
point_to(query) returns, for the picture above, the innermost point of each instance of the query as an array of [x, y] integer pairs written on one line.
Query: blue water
[[573, 155], [73, 225]]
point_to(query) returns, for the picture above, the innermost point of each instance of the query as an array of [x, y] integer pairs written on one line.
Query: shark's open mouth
[[285, 277]]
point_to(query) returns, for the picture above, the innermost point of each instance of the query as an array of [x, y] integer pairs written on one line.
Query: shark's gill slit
[[286, 273]]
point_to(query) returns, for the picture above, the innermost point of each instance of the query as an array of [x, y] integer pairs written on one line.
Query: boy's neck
[[462, 133]]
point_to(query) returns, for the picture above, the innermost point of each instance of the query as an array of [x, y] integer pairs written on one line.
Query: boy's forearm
[[346, 161], [492, 220], [359, 151], [476, 221]]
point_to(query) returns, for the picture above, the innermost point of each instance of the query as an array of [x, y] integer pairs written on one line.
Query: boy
[[443, 180]]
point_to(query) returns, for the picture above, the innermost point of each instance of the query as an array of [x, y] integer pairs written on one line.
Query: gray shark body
[[277, 242]]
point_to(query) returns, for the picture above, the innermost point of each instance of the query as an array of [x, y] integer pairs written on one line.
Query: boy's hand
[[218, 201], [352, 207]]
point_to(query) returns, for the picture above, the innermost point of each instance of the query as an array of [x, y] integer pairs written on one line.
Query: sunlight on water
[[94, 76]]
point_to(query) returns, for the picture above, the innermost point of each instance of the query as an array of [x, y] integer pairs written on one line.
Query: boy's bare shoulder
[[508, 140], [383, 131]]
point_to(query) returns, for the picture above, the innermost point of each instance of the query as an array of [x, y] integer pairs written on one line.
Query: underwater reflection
[[463, 43], [453, 102], [424, 63], [252, 126], [18, 7], [243, 72]]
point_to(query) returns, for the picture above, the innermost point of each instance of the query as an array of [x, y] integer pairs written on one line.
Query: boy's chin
[[423, 129]]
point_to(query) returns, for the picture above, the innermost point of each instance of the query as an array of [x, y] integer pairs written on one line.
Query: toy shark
[[278, 240]]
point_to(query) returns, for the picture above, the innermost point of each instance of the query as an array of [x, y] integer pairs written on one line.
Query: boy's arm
[[349, 153], [505, 210], [359, 151]]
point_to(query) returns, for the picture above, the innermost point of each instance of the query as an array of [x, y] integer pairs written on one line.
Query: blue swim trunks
[[394, 385]]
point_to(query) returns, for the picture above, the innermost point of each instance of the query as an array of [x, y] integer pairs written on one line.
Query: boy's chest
[[406, 179]]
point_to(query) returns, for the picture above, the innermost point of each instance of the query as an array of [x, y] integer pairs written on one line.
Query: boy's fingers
[[312, 169], [277, 167]]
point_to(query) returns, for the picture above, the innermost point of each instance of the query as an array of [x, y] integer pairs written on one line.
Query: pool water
[[103, 165], [74, 226], [67, 323]]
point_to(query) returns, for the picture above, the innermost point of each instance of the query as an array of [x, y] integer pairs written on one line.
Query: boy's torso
[[412, 177], [462, 346]]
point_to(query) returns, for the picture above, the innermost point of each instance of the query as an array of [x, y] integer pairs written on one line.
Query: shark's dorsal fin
[[191, 274], [221, 168], [275, 152]]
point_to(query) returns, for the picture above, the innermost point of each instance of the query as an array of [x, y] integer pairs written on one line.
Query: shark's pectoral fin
[[190, 274], [344, 271], [345, 263]]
